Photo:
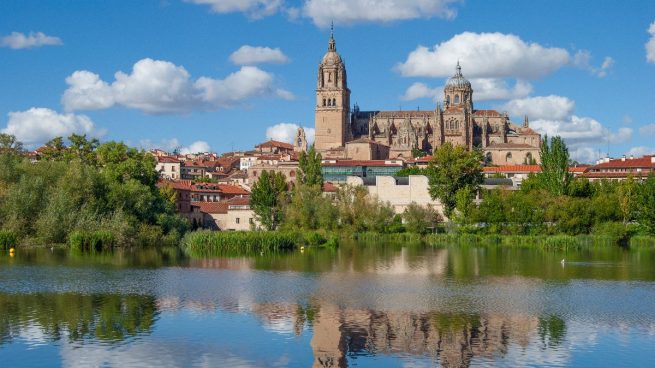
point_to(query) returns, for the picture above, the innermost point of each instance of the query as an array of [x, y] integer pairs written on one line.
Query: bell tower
[[332, 101]]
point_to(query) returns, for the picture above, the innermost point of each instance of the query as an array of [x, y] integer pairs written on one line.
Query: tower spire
[[332, 45]]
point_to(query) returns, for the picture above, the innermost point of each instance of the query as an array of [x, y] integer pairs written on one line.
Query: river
[[361, 305]]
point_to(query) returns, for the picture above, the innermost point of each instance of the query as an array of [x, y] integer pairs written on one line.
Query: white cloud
[[581, 134], [582, 60], [251, 55], [484, 89], [541, 107], [647, 129], [322, 12], [196, 147], [253, 8], [17, 40], [498, 89], [158, 87], [641, 151], [286, 132], [38, 125], [485, 55], [650, 45]]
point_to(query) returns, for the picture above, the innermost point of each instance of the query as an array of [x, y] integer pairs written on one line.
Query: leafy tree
[[451, 169], [266, 198], [309, 165], [310, 210], [416, 153], [411, 170], [419, 219], [627, 196], [554, 175], [82, 148], [54, 150], [10, 145], [359, 212], [646, 205]]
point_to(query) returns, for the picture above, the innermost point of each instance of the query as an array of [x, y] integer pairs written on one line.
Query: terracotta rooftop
[[176, 184], [328, 187], [211, 207], [219, 188], [361, 163], [272, 143], [168, 160], [512, 169], [641, 162], [487, 113]]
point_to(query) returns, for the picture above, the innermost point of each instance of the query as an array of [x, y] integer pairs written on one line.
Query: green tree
[[416, 153], [554, 175], [646, 205], [451, 169], [10, 145], [411, 170], [627, 192], [54, 150], [310, 210], [419, 219], [266, 198], [82, 148], [309, 168]]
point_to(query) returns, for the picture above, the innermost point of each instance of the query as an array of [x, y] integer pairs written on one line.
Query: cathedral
[[379, 135]]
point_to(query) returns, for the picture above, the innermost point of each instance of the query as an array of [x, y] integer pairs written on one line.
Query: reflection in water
[[105, 318], [359, 305]]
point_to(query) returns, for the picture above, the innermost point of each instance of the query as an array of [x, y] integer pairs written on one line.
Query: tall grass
[[8, 239], [91, 240], [554, 242], [215, 243]]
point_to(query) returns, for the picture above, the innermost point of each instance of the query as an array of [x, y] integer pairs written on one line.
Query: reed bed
[[91, 240], [7, 239], [215, 243]]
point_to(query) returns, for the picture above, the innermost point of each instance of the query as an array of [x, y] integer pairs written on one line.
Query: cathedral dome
[[458, 80], [331, 58]]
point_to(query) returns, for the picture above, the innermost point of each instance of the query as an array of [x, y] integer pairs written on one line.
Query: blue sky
[[167, 72]]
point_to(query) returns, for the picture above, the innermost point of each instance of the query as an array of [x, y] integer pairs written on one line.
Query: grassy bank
[[210, 243]]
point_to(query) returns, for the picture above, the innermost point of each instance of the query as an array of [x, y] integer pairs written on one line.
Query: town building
[[168, 167], [379, 135], [233, 214], [338, 171], [621, 168]]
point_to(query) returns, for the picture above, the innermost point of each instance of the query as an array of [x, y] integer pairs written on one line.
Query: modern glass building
[[336, 171]]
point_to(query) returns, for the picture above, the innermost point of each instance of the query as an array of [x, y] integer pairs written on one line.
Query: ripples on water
[[358, 306]]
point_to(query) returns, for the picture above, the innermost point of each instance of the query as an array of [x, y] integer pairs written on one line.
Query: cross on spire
[[332, 45]]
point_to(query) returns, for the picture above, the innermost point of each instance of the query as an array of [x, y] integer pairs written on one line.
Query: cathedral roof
[[487, 113], [331, 57], [404, 114], [509, 146], [458, 80]]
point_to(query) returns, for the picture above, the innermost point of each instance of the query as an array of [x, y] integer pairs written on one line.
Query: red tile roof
[[272, 143], [487, 113], [512, 169], [176, 184], [641, 162], [609, 175], [361, 163], [167, 160], [211, 207], [329, 187]]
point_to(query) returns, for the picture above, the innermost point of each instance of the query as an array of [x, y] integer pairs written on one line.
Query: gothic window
[[528, 158], [330, 77], [508, 157], [456, 99], [329, 102], [324, 102], [488, 158], [448, 100], [334, 102]]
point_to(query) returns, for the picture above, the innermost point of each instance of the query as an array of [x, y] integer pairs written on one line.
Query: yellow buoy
[[11, 250]]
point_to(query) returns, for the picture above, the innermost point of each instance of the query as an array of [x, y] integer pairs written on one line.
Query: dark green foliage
[[554, 175], [83, 191], [309, 168], [645, 205], [309, 210], [208, 243], [7, 239], [267, 199], [416, 153], [419, 219], [91, 240], [453, 168], [411, 170]]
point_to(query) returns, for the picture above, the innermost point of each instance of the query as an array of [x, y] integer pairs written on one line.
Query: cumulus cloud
[[286, 132], [541, 107], [252, 55], [484, 89], [38, 125], [648, 129], [485, 55], [650, 45], [322, 12], [252, 8], [196, 147], [159, 87], [582, 60], [17, 40], [641, 151], [581, 134]]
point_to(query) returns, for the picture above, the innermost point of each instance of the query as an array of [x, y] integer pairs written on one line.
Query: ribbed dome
[[331, 58], [458, 80]]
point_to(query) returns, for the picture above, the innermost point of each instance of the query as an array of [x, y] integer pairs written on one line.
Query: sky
[[222, 75]]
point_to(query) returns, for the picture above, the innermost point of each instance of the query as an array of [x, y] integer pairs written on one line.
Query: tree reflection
[[109, 318]]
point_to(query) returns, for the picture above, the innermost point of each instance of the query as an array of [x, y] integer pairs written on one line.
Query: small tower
[[332, 100], [300, 142], [526, 123], [458, 91]]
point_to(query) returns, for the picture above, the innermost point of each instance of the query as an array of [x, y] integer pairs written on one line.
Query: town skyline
[[214, 76]]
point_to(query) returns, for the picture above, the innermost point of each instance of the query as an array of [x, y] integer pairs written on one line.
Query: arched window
[[334, 102], [324, 102], [448, 100], [456, 99], [488, 158], [329, 77], [528, 158], [329, 102], [508, 157]]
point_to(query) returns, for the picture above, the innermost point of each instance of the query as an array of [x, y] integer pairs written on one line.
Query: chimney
[[623, 158], [652, 159], [632, 157]]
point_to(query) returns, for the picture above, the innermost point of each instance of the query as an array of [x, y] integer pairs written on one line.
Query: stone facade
[[457, 122]]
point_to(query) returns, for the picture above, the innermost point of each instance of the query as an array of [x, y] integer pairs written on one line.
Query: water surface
[[362, 305]]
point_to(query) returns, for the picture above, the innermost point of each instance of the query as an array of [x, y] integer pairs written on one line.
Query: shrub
[[8, 239]]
